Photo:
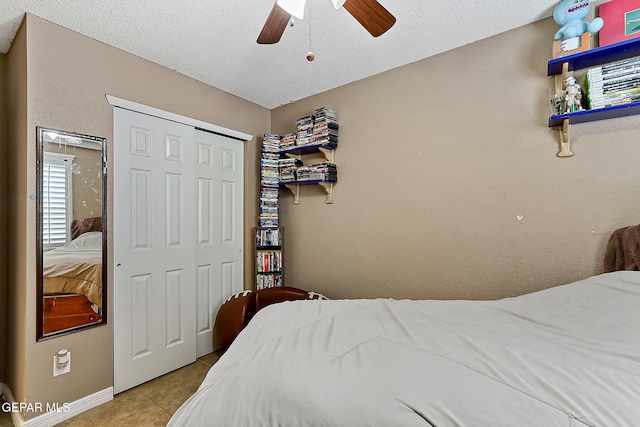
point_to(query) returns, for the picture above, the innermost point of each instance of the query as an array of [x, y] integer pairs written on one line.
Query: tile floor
[[149, 404]]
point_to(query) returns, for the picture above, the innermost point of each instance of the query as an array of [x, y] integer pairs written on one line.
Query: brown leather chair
[[238, 309]]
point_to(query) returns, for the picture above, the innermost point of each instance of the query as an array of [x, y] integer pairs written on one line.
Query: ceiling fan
[[369, 13]]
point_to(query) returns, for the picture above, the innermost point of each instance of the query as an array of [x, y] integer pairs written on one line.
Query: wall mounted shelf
[[596, 56], [327, 150], [294, 187], [563, 67]]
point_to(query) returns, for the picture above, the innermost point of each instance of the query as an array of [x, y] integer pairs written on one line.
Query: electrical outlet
[[61, 362]]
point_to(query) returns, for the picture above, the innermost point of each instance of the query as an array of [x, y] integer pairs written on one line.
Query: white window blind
[[56, 199]]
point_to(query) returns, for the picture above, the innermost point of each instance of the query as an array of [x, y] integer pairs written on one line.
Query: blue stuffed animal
[[570, 14]]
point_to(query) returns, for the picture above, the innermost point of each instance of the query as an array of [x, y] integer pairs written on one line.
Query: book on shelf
[[613, 101], [614, 67], [613, 89], [613, 84], [596, 81], [621, 21], [620, 73]]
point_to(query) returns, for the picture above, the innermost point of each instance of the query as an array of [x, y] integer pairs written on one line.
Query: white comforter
[[566, 356], [75, 268]]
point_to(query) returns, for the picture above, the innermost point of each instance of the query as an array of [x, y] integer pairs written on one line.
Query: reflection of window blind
[[56, 199]]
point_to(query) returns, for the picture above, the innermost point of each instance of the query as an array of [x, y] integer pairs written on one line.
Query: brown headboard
[[80, 226]]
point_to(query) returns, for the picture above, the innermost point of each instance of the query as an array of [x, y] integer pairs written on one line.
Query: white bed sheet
[[566, 356], [76, 268]]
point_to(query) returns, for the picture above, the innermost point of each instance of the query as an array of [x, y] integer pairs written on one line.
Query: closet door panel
[[154, 247]]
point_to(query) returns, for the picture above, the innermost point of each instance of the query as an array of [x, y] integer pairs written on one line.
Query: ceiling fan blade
[[274, 27], [371, 15]]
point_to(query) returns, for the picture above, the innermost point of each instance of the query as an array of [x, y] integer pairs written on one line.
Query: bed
[[565, 356], [76, 268]]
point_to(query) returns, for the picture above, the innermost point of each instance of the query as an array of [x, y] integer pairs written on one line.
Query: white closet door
[[219, 192], [154, 247]]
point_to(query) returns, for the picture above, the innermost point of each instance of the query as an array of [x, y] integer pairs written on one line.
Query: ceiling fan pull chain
[[310, 55]]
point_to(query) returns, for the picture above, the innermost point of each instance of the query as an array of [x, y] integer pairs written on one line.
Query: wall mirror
[[71, 232]]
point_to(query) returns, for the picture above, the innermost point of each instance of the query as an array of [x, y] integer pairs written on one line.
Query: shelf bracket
[[295, 190], [293, 156], [565, 140], [329, 155], [328, 188]]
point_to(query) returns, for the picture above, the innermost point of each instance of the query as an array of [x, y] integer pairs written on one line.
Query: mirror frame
[[40, 335]]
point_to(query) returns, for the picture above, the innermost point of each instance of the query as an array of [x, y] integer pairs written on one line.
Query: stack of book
[[288, 168], [613, 84], [304, 133], [320, 172], [269, 181], [271, 143], [288, 141], [325, 127]]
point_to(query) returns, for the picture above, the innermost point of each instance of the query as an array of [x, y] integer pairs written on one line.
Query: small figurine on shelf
[[570, 14], [557, 105], [573, 95]]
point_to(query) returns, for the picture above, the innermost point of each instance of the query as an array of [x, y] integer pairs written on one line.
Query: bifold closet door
[[154, 247]]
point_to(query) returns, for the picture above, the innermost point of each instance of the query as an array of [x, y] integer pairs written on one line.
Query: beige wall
[[15, 87], [436, 162], [3, 217], [68, 77]]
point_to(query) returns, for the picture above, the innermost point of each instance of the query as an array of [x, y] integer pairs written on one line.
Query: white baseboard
[[50, 419]]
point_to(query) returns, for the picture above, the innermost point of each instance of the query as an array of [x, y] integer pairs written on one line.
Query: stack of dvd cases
[[271, 143], [288, 169], [288, 141], [320, 172], [304, 134], [269, 180], [325, 127], [269, 257]]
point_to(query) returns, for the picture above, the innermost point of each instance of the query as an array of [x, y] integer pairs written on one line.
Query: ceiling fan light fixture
[[294, 7], [338, 3]]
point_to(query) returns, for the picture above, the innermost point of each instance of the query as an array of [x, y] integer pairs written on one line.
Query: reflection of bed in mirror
[[73, 278]]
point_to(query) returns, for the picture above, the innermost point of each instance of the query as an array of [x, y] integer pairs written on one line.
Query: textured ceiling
[[214, 41]]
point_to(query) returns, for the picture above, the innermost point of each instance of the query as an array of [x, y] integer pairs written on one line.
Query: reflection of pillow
[[90, 240]]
